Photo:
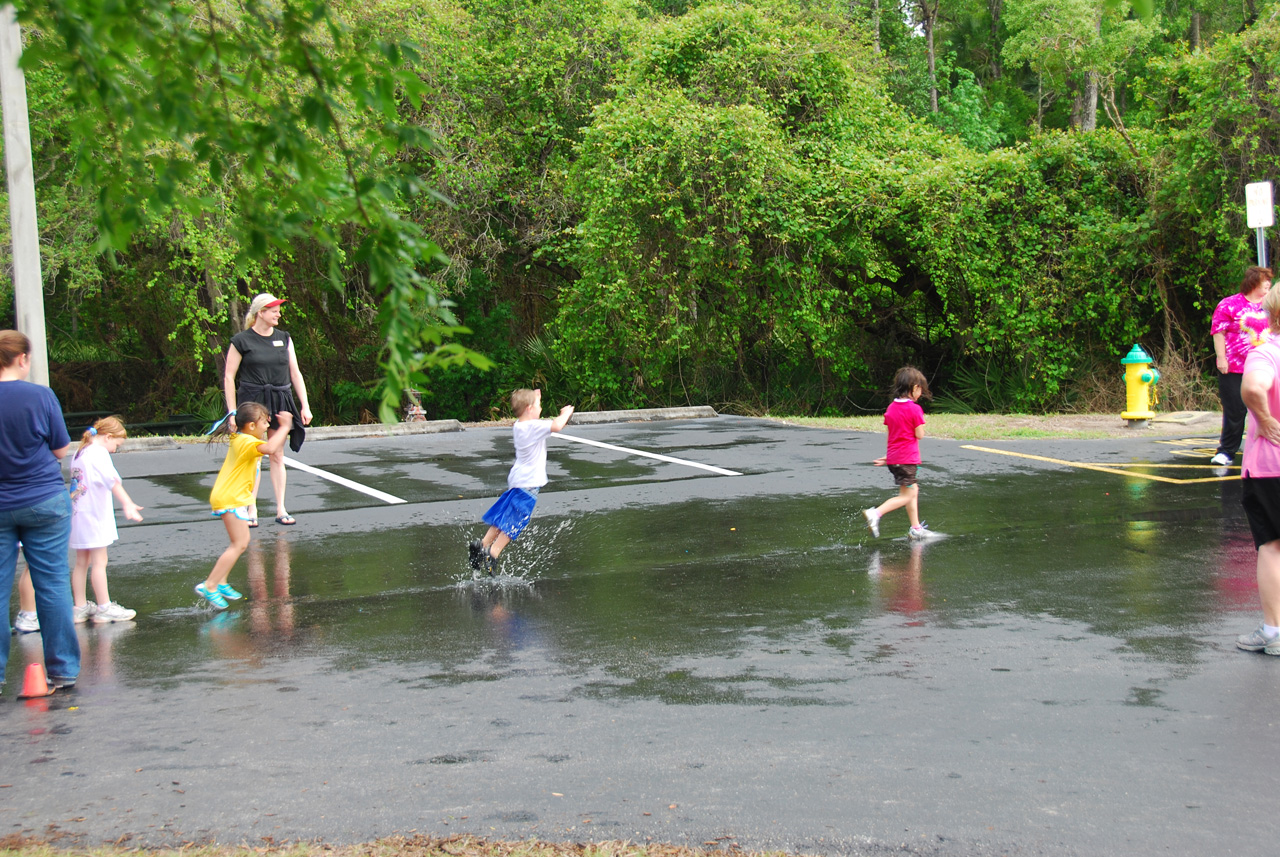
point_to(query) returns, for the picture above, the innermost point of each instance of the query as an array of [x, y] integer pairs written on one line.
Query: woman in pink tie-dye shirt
[[1239, 326]]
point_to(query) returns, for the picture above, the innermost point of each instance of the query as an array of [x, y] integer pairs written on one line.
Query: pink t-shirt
[[902, 417], [1243, 325], [1261, 456]]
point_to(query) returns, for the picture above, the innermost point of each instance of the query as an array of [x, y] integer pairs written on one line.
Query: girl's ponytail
[[109, 426], [248, 412]]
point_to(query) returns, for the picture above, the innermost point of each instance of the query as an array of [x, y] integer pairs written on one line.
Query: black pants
[[1233, 412]]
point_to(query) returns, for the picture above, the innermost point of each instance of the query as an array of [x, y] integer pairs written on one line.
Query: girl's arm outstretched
[[129, 507]]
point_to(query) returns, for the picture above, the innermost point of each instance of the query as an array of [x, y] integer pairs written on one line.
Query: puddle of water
[[736, 602]]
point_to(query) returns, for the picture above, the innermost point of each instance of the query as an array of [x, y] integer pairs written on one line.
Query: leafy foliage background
[[641, 202]]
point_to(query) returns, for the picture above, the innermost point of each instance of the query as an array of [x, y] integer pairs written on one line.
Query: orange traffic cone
[[34, 683]]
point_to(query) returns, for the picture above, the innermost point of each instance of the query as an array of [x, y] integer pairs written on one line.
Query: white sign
[[1258, 208]]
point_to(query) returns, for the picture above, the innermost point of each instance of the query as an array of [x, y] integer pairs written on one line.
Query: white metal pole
[[1262, 247], [28, 288]]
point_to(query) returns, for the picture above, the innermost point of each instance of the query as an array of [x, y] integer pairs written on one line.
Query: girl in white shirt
[[94, 481]]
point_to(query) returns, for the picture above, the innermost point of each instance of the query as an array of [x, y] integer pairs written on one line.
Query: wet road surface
[[675, 655]]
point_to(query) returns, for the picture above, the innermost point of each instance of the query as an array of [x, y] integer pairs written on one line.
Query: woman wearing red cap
[[262, 367]]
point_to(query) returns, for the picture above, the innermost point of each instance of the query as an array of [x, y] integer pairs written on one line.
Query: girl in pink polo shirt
[[905, 420]]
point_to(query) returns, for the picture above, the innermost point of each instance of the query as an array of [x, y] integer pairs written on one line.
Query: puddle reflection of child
[[901, 581], [905, 420], [508, 517], [264, 599]]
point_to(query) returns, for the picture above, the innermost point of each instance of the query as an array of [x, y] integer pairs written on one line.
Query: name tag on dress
[[278, 344]]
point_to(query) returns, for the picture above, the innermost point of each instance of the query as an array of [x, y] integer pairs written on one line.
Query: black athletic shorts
[[1262, 507], [903, 474]]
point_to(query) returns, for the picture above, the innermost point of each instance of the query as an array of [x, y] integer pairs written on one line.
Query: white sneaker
[[113, 612], [873, 521], [1220, 459], [26, 622], [83, 612], [921, 533]]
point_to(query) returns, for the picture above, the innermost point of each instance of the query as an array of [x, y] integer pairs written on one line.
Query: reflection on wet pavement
[[644, 592], [732, 639]]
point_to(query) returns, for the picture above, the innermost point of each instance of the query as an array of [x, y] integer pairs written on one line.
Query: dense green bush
[[740, 204]]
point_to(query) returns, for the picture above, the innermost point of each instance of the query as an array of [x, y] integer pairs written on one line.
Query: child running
[[94, 481], [232, 494], [905, 420], [508, 517]]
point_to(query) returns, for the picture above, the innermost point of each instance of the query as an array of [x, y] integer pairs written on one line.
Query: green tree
[[291, 114]]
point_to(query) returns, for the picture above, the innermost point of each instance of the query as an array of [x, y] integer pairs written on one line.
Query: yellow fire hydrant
[[1139, 377]]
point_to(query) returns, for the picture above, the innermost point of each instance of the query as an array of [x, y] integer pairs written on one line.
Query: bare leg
[[80, 574], [238, 532], [98, 574], [1269, 581], [913, 505], [499, 543], [26, 592], [907, 496], [490, 536], [257, 478], [278, 480]]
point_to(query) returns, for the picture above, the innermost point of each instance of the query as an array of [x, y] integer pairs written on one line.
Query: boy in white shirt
[[508, 517]]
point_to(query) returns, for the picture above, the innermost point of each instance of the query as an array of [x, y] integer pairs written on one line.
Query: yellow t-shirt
[[234, 486]]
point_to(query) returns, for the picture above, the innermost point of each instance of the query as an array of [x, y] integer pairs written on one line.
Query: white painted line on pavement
[[577, 439], [333, 477]]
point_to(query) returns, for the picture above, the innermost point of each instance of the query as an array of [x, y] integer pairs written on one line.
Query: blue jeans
[[45, 532]]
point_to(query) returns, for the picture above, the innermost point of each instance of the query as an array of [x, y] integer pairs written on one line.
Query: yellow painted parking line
[[1190, 441], [1173, 466], [1198, 452], [1109, 468]]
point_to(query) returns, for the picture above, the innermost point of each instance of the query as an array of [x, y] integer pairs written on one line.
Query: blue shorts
[[512, 511], [241, 512]]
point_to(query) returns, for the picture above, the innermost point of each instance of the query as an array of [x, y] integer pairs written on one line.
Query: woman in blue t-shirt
[[35, 508]]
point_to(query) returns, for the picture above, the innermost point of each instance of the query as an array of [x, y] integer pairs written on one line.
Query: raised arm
[[561, 421], [275, 442]]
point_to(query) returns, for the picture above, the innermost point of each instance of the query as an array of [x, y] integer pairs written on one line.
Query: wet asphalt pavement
[[675, 655]]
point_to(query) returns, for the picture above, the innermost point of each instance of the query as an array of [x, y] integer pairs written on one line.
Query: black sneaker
[[490, 564], [475, 554]]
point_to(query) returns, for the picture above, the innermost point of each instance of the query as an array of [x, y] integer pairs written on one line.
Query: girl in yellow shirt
[[233, 491]]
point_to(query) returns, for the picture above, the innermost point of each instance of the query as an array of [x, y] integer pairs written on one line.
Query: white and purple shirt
[[93, 516]]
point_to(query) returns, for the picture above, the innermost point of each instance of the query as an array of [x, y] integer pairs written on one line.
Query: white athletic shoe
[[113, 612], [921, 533], [26, 622], [84, 612], [1220, 459], [873, 521]]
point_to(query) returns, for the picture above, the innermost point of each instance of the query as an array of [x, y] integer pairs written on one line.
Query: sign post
[[28, 289], [1260, 212]]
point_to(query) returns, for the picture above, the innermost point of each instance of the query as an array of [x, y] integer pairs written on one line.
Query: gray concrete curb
[[382, 430], [1185, 418], [144, 444], [586, 418], [149, 443]]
